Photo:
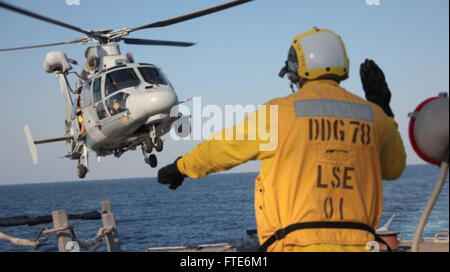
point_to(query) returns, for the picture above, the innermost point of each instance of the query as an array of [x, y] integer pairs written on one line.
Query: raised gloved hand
[[375, 86], [171, 175]]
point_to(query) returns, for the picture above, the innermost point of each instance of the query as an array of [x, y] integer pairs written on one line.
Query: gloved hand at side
[[375, 86], [171, 175]]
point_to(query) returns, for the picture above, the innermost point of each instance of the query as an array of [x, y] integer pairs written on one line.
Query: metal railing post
[[112, 237], [60, 220]]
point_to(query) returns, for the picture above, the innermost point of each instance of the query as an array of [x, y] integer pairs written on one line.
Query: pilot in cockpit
[[111, 87], [115, 107]]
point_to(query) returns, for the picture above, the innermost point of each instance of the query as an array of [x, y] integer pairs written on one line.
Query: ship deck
[[426, 246], [404, 246]]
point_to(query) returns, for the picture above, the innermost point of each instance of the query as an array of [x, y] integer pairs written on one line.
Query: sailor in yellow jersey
[[320, 189]]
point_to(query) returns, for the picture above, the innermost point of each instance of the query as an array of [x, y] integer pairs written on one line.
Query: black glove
[[375, 86], [171, 175]]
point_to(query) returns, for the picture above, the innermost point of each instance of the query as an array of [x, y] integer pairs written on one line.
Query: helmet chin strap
[[293, 78], [292, 87], [294, 82]]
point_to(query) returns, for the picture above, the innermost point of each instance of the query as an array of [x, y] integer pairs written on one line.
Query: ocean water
[[216, 209]]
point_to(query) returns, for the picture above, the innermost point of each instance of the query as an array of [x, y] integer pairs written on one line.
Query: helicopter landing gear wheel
[[159, 145], [152, 160], [82, 171]]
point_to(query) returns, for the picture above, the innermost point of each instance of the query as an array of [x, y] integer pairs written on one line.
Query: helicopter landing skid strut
[[154, 141], [147, 148]]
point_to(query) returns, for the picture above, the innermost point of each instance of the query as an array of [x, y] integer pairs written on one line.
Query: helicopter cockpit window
[[86, 94], [153, 76], [120, 79], [117, 103], [96, 90], [101, 112]]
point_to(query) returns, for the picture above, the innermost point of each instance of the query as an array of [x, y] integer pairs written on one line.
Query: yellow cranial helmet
[[317, 54]]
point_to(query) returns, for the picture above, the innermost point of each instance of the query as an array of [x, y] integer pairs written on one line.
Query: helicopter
[[116, 104]]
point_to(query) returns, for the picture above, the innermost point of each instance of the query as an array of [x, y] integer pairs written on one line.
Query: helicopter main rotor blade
[[46, 19], [190, 16], [43, 45], [156, 42]]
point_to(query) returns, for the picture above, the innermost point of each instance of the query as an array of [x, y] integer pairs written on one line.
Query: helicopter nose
[[145, 104]]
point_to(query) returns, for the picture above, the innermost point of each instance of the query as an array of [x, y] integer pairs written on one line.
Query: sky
[[237, 58]]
